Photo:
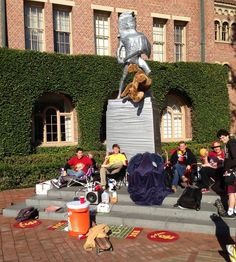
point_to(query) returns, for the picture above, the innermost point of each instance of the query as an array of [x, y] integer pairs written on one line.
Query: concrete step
[[161, 218], [69, 193]]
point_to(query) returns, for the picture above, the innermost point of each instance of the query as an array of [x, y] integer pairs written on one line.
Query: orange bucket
[[78, 218]]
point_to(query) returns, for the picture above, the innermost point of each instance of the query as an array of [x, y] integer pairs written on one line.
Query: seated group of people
[[79, 165], [215, 166]]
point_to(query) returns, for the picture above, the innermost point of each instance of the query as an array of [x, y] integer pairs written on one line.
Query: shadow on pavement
[[223, 235]]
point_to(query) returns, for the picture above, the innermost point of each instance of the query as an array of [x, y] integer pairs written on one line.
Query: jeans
[[178, 173], [72, 172]]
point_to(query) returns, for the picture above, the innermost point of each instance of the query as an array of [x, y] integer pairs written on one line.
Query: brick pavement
[[40, 244]]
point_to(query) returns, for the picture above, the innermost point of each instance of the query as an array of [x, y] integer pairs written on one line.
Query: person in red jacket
[[77, 166]]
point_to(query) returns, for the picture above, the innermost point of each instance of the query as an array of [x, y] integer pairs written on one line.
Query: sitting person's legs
[[178, 175], [72, 172], [109, 169]]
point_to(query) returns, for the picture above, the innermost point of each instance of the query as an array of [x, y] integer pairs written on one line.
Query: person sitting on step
[[112, 164], [181, 160]]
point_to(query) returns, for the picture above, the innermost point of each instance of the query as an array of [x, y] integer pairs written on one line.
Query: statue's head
[[127, 21]]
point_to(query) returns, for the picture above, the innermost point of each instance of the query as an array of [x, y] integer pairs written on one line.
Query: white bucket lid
[[77, 205]]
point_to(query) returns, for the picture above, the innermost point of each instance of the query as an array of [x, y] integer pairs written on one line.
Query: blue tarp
[[146, 179]]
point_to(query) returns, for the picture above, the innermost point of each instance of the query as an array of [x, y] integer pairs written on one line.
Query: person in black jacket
[[229, 163], [181, 160]]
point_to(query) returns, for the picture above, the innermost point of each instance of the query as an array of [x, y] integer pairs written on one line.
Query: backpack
[[190, 198], [27, 213]]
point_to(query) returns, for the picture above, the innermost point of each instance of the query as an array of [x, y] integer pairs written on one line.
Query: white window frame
[[58, 31], [34, 31], [217, 25], [169, 128], [159, 30], [101, 39], [180, 44]]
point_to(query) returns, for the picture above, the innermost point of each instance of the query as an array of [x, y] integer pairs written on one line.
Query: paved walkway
[[40, 244]]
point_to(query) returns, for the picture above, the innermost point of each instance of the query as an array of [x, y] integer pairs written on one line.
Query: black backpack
[[190, 198], [27, 214]]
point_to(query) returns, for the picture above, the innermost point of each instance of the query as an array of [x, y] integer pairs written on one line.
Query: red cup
[[82, 200]]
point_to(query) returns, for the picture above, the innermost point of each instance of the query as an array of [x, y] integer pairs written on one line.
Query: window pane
[[34, 28], [179, 42], [102, 33], [61, 24], [167, 127], [51, 125], [158, 40], [66, 129]]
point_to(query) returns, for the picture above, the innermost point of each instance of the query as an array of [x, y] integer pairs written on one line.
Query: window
[[159, 40], [172, 122], [34, 28], [179, 38], [233, 33], [53, 121], [217, 30], [225, 32], [61, 24], [101, 20], [176, 119]]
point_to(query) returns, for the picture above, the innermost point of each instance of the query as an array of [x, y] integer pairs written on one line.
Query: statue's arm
[[119, 58]]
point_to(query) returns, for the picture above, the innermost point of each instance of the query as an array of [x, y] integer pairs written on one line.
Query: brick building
[[182, 30]]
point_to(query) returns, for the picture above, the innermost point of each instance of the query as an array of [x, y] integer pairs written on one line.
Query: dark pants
[[206, 173]]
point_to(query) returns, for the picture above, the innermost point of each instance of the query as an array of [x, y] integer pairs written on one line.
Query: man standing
[[229, 163]]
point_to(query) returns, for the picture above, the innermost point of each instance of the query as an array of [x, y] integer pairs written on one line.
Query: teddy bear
[[140, 84]]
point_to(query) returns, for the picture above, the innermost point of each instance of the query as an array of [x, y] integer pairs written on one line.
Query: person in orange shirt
[[112, 164]]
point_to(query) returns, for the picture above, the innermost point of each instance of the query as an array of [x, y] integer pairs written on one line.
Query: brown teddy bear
[[140, 84]]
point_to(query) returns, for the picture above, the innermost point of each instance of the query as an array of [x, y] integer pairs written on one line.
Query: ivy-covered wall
[[90, 80]]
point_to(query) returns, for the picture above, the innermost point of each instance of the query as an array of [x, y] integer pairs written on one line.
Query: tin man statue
[[134, 43]]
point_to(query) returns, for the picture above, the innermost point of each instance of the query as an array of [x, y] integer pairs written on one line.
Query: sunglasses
[[215, 147]]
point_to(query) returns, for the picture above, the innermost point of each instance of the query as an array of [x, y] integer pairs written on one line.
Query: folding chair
[[86, 180]]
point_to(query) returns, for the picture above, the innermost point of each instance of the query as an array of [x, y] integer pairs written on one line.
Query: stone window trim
[[102, 8], [63, 2], [122, 10]]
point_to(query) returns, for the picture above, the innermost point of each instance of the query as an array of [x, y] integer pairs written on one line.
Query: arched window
[[233, 32], [225, 32], [173, 122], [54, 121], [175, 115], [217, 30]]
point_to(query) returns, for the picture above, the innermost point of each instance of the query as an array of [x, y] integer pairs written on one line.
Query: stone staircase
[[164, 217]]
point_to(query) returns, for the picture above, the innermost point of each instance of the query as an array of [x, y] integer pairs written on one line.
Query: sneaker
[[56, 184], [181, 207], [205, 190], [227, 216]]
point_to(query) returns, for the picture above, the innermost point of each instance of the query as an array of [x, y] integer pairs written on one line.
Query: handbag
[[230, 177]]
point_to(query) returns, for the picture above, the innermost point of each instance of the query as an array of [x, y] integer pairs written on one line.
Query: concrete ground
[[40, 244]]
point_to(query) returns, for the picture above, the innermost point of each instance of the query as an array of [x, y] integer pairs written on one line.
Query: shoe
[[56, 184], [174, 189], [181, 207], [227, 216], [205, 190]]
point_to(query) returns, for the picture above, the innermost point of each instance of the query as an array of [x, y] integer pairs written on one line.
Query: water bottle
[[114, 197], [105, 197]]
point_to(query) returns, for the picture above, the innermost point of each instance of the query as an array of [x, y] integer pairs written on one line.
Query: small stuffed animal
[[140, 84]]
